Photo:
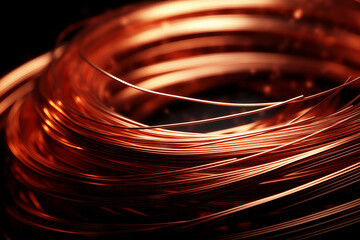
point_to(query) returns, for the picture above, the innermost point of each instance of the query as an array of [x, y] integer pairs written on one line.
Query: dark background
[[28, 30]]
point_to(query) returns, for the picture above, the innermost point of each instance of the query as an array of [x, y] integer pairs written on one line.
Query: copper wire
[[104, 142]]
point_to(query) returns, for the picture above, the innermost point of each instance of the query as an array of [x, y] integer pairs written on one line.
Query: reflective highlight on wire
[[210, 119]]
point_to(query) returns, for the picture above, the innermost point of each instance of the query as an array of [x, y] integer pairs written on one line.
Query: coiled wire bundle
[[210, 119]]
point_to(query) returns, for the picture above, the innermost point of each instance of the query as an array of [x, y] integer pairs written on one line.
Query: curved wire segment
[[204, 119]]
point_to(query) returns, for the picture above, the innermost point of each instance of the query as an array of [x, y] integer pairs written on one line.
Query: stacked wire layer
[[213, 119]]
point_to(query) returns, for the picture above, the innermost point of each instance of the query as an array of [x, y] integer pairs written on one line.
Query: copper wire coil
[[210, 119]]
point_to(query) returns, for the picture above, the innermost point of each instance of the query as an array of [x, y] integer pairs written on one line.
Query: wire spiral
[[212, 119]]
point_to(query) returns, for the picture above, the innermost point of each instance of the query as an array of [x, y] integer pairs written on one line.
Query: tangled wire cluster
[[213, 119]]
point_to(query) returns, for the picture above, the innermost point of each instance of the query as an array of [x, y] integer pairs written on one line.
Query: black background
[[29, 30]]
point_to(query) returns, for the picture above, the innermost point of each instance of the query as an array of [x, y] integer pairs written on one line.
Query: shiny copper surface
[[209, 119]]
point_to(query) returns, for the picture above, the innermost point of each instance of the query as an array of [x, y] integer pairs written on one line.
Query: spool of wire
[[209, 119]]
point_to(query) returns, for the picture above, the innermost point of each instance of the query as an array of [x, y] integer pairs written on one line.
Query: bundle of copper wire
[[209, 119]]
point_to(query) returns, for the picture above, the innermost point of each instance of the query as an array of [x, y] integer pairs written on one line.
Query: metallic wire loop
[[210, 119]]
